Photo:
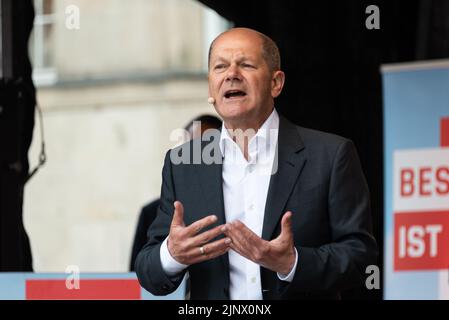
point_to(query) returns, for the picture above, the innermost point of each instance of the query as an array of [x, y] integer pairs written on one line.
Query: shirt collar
[[263, 134]]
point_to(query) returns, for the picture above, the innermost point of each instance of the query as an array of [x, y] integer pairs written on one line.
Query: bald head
[[270, 51]]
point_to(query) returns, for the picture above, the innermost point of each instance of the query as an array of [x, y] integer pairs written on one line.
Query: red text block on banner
[[421, 240], [89, 289], [445, 132]]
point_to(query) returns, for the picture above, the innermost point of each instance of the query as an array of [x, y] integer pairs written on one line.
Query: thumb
[[286, 225], [178, 215]]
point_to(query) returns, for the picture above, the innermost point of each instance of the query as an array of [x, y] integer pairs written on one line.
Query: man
[[301, 231]]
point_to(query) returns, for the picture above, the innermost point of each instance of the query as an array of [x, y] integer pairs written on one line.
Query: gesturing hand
[[187, 246], [277, 255]]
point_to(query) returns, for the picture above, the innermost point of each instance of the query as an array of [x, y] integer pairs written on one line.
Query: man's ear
[[277, 83]]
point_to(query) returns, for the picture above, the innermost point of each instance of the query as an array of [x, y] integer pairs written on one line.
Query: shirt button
[[251, 169], [251, 207], [253, 279]]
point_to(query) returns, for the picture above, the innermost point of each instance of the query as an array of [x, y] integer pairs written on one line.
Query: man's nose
[[233, 74]]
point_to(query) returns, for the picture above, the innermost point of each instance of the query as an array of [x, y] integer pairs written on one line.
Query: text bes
[[425, 181]]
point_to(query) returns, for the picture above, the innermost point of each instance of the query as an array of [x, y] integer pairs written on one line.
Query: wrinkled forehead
[[244, 44]]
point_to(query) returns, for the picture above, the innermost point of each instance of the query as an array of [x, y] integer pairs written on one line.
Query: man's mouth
[[234, 94]]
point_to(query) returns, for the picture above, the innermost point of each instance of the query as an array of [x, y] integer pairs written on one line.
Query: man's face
[[239, 77]]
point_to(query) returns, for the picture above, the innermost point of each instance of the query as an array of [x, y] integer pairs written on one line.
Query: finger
[[213, 255], [197, 226], [246, 241], [217, 245], [232, 232], [242, 249], [241, 227], [206, 236], [212, 250], [286, 225], [178, 215], [243, 234], [193, 254], [237, 248]]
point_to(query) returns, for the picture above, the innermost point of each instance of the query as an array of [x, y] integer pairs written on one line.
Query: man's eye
[[219, 66], [247, 65]]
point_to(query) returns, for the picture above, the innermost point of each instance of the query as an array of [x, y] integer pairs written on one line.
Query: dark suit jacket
[[319, 179]]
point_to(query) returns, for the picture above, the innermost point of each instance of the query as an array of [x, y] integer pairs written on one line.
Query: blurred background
[[111, 92]]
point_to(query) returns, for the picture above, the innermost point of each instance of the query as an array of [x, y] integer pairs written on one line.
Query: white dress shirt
[[245, 189]]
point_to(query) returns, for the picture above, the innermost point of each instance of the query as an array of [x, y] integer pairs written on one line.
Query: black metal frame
[[17, 101]]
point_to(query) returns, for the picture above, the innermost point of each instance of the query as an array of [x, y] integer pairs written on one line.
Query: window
[[41, 43]]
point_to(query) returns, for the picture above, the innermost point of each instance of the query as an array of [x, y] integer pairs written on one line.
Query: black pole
[[17, 103]]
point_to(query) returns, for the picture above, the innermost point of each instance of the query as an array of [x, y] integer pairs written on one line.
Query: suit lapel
[[290, 163], [211, 182]]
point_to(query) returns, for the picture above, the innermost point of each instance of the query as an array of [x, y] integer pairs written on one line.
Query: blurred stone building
[[111, 92]]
